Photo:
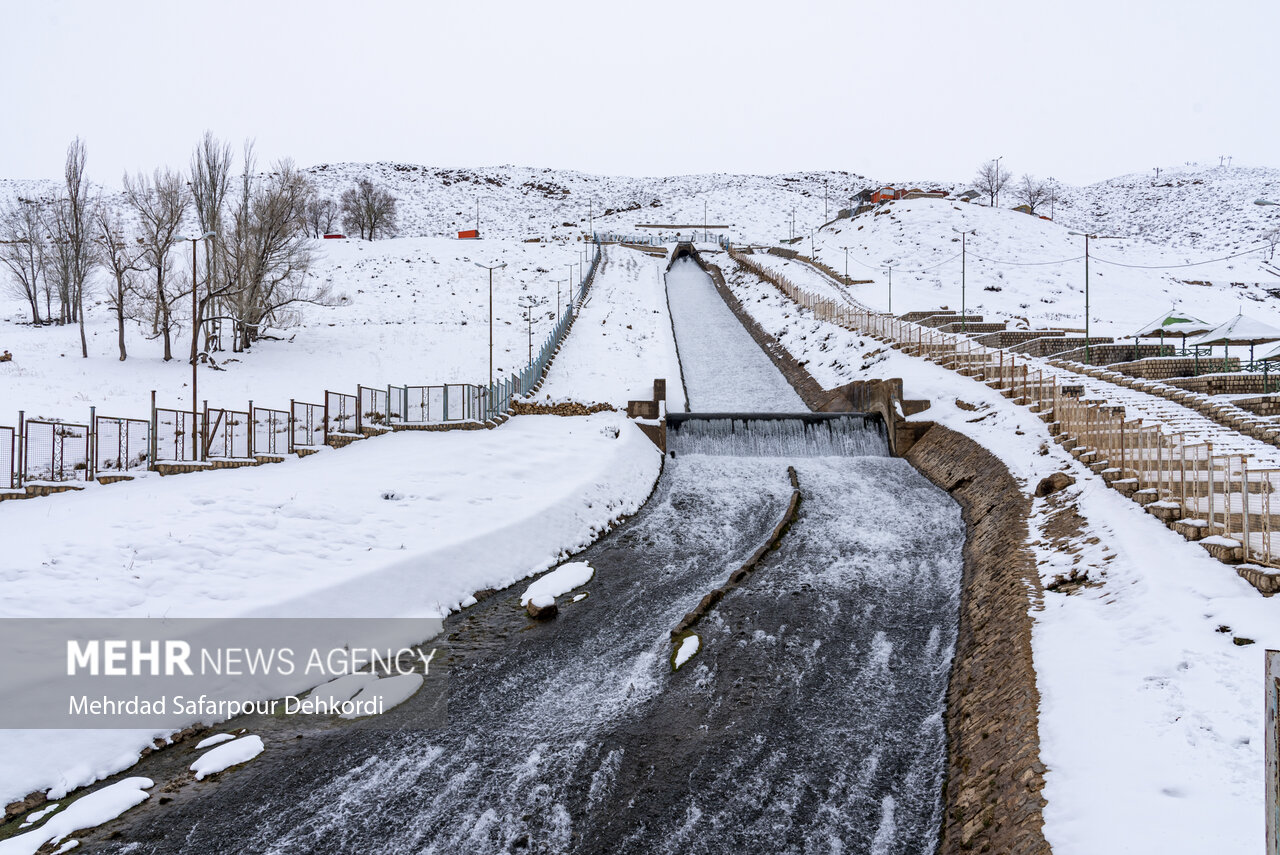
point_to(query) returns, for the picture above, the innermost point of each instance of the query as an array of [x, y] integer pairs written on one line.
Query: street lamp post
[[964, 314], [846, 263], [889, 267], [490, 268], [1087, 237], [997, 180], [195, 338], [558, 281], [1264, 202]]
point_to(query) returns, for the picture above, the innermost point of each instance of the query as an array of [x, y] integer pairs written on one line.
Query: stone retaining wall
[[1165, 368], [991, 799], [1226, 384]]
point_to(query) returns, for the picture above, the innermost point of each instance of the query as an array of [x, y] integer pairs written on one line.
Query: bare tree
[[23, 250], [1273, 240], [210, 187], [73, 218], [123, 255], [991, 179], [1033, 192], [161, 203], [268, 253], [369, 210], [321, 215]]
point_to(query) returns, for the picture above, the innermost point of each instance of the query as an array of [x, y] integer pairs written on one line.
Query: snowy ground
[[410, 311], [622, 339], [1151, 725], [398, 526], [1030, 271]]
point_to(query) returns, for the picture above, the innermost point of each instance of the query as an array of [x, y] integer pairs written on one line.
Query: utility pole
[[558, 281], [998, 159], [1157, 173], [591, 216], [478, 218], [490, 268], [846, 263], [825, 213], [890, 268], [793, 224], [195, 337], [1087, 238], [964, 314]]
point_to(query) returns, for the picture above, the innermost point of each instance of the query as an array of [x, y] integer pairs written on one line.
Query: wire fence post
[[22, 446], [1272, 751], [1244, 504], [92, 443], [252, 427]]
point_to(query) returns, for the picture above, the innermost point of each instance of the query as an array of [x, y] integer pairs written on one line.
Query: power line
[[1188, 264], [1027, 263]]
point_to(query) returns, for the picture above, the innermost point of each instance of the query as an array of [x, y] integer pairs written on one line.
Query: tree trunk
[[84, 345], [124, 354]]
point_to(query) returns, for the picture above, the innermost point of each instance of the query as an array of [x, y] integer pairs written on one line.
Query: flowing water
[[811, 720]]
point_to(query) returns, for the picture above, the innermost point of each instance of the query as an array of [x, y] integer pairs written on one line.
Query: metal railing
[[1223, 495], [51, 450]]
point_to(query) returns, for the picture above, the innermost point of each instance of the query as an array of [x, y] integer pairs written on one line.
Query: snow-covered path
[[621, 340], [724, 369]]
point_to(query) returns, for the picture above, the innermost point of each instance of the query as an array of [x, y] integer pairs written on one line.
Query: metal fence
[[8, 458], [47, 450], [176, 434], [120, 445], [1222, 495], [374, 408], [55, 451], [270, 431], [229, 434], [308, 428], [339, 413]]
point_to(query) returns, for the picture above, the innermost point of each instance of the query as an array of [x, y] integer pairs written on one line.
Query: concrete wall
[[991, 799]]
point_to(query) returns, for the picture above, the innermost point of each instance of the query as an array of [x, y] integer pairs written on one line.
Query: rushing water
[[810, 721], [745, 436]]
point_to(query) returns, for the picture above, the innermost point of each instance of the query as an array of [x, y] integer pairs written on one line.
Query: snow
[[342, 689], [215, 740], [621, 340], [37, 815], [1030, 271], [225, 756], [313, 537], [409, 311], [559, 581], [688, 647], [91, 810], [1219, 540], [391, 691], [1150, 725]]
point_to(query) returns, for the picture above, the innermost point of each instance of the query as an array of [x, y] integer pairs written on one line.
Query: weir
[[777, 434]]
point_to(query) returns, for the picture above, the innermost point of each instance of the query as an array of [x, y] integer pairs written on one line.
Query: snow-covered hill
[[1030, 271]]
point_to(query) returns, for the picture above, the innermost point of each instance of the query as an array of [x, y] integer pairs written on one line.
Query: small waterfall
[[765, 435]]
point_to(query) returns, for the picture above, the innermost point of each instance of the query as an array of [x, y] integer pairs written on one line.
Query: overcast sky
[[904, 89]]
